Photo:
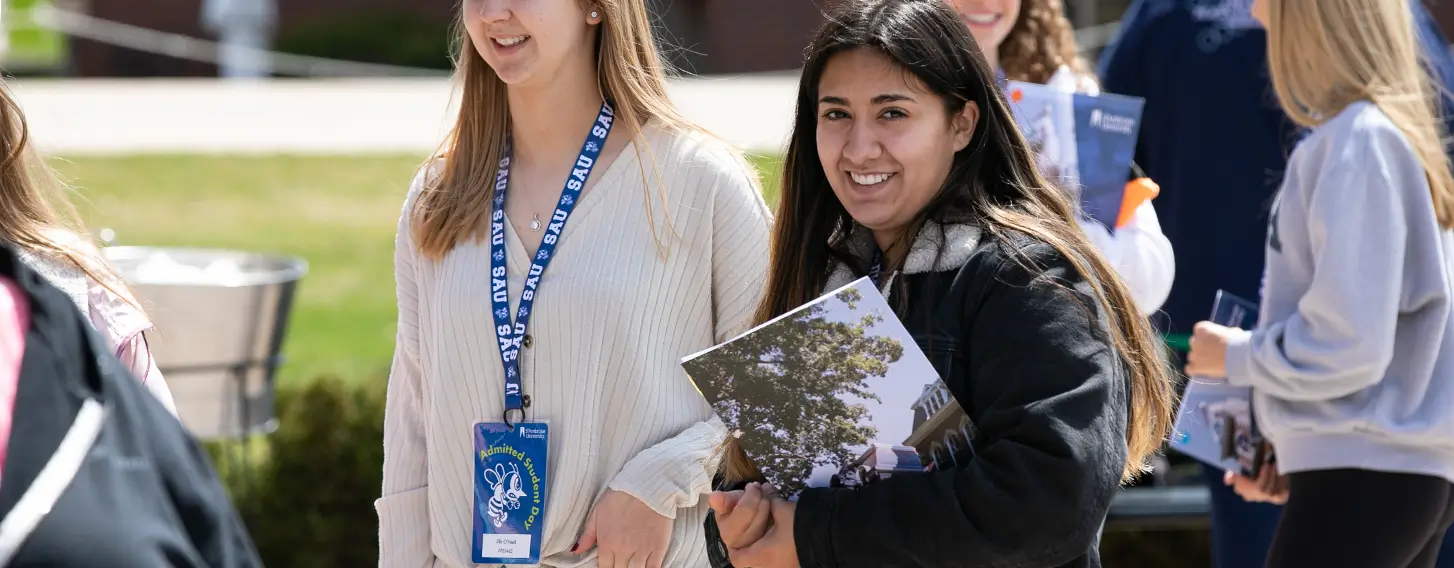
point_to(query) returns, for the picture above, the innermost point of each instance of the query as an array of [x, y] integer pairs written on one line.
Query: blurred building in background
[[1443, 11], [704, 37], [410, 33]]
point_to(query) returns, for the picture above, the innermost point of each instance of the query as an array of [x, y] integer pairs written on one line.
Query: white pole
[[244, 29]]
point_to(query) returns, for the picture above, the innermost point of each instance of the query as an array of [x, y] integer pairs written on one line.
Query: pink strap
[[14, 322]]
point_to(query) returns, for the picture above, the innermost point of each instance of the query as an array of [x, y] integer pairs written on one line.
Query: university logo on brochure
[[1114, 123]]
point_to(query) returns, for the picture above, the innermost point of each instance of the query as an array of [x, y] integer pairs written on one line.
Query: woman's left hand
[[632, 535], [1207, 356], [743, 515], [776, 549], [1270, 486]]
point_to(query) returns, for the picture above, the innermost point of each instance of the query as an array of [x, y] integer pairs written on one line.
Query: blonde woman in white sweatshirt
[[1351, 364], [573, 241]]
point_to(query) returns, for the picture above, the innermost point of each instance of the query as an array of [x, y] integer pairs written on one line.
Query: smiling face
[[885, 142], [529, 41], [990, 21]]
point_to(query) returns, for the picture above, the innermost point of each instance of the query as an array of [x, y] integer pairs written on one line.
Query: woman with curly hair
[[1033, 41]]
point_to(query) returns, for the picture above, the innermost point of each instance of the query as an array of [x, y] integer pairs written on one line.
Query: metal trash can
[[220, 316]]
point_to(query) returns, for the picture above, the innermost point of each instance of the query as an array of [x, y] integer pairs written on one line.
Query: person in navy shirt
[[1215, 140]]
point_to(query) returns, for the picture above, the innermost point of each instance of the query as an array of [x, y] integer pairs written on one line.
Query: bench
[[1161, 508]]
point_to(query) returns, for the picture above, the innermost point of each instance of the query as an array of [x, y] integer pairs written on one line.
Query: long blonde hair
[[35, 213], [453, 206], [1040, 43], [1327, 54]]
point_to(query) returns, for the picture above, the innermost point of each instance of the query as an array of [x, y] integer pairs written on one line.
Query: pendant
[[535, 223]]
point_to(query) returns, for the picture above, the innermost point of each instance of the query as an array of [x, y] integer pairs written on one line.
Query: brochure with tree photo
[[834, 393], [1215, 422]]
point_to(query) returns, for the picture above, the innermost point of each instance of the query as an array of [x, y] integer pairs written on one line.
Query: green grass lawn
[[338, 213]]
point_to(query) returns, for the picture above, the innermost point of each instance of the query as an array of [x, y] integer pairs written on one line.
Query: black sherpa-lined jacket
[[1026, 352]]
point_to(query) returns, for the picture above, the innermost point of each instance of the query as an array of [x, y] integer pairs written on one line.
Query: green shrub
[[409, 40], [308, 490], [1156, 548], [307, 499]]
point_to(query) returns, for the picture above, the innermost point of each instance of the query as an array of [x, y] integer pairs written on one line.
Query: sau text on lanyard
[[511, 334], [512, 458]]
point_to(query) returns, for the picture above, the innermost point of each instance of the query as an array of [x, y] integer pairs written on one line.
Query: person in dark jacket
[[96, 470], [905, 162]]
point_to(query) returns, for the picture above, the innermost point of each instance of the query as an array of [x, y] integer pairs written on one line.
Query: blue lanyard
[[1001, 80], [511, 335]]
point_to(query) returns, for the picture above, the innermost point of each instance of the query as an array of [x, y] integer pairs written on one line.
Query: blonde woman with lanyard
[[1033, 41], [537, 412]]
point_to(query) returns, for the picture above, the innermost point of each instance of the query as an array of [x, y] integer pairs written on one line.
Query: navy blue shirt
[[1213, 137]]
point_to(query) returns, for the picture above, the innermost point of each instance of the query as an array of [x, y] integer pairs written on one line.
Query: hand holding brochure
[[1084, 142], [1215, 423], [835, 393]]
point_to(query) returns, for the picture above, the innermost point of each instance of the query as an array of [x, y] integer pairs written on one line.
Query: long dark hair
[[993, 183]]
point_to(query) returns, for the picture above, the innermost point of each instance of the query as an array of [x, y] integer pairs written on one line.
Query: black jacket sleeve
[[1047, 395], [207, 515], [205, 511]]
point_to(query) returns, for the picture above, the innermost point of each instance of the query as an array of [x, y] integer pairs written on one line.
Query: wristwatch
[[717, 556], [716, 549]]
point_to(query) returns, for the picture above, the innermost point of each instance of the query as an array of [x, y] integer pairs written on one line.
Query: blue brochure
[[1215, 423], [1085, 142]]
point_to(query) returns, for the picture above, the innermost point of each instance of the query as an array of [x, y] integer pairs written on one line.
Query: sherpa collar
[[937, 248]]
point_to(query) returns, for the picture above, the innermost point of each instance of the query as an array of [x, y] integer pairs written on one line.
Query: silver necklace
[[535, 223]]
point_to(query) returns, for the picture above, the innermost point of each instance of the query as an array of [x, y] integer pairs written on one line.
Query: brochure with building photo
[[835, 393], [1084, 142], [1215, 424]]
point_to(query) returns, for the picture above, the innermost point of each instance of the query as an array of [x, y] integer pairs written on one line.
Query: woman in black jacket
[[94, 470], [905, 162]]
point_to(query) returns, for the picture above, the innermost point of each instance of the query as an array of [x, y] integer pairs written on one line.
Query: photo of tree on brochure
[[828, 394]]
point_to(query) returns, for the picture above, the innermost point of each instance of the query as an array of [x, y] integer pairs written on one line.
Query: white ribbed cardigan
[[612, 319]]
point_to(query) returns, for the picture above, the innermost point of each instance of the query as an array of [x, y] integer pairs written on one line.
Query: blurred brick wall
[[733, 36], [756, 35], [1443, 11], [709, 36], [92, 59], [294, 12]]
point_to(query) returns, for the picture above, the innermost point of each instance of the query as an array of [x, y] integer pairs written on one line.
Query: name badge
[[509, 491]]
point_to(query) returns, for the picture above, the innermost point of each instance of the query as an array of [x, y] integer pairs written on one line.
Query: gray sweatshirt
[[1352, 361]]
